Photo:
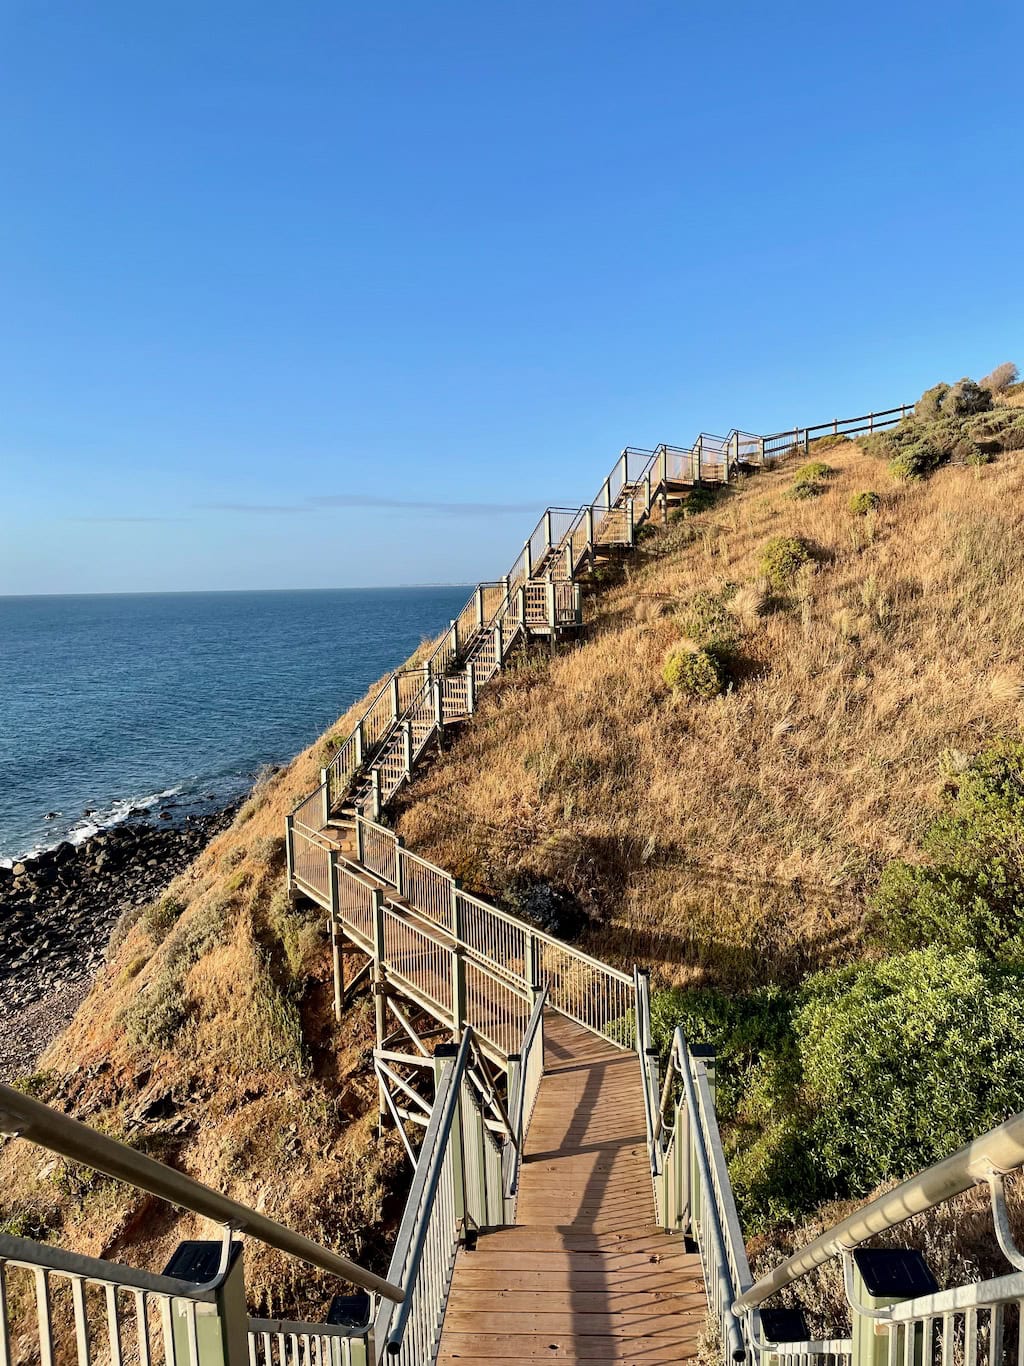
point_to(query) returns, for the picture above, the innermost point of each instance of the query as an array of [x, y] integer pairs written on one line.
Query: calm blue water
[[118, 701]]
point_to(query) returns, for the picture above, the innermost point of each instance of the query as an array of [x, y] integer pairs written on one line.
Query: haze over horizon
[[344, 296]]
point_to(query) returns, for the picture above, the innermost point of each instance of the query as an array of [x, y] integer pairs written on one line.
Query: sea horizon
[[123, 705]]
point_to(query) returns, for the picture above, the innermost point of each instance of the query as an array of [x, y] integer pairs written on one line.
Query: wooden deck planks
[[586, 1274]]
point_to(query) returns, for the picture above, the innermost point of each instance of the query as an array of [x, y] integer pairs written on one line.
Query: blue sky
[[266, 264]]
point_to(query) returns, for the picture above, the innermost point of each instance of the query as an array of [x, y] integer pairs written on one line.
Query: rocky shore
[[57, 911]]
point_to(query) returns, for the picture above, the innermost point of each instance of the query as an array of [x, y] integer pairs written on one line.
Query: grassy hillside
[[779, 768]]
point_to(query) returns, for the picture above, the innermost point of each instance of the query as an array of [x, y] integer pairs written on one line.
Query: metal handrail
[[25, 1117], [408, 1251], [1000, 1150]]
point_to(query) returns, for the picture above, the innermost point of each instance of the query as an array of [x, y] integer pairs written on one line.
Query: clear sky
[[328, 294]]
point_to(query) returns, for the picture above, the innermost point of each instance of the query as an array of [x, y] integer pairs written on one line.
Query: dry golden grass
[[734, 839]]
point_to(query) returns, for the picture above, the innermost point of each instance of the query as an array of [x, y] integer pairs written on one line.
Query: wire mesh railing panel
[[495, 1009], [499, 940], [355, 904], [566, 602], [536, 595], [380, 850], [309, 814], [589, 992], [454, 697], [611, 526], [422, 962], [428, 889], [311, 866]]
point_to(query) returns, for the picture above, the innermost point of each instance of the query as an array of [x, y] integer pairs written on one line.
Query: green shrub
[[929, 405], [744, 1030], [153, 1020], [813, 471], [695, 673], [707, 618], [162, 916], [782, 558], [917, 458], [824, 443], [965, 398], [904, 1060], [864, 502], [970, 894], [701, 498]]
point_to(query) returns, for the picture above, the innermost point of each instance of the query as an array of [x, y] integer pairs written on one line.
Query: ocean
[[174, 701]]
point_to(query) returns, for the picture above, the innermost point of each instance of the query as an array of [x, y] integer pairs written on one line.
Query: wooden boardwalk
[[586, 1274]]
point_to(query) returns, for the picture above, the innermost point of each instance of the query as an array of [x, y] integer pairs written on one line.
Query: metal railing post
[[480, 606], [289, 847], [360, 840], [607, 493], [547, 529], [528, 559], [549, 596], [624, 460], [647, 493], [455, 637], [590, 526], [471, 688], [521, 596], [458, 966], [232, 1315], [399, 866], [375, 801], [438, 704], [326, 813], [871, 422], [700, 456], [499, 648], [407, 747], [336, 958], [395, 708], [629, 523], [359, 745]]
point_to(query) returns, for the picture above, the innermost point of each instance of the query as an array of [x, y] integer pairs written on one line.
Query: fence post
[[458, 961], [326, 795], [480, 606], [336, 958], [395, 709], [547, 529], [438, 704], [549, 595], [470, 688], [232, 1313], [379, 992], [407, 747], [399, 867], [289, 847], [871, 422], [807, 440], [835, 426]]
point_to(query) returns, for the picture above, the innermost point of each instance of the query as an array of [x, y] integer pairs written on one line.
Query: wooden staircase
[[585, 1274]]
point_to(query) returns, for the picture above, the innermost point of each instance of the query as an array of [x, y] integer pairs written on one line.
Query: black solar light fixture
[[883, 1276], [349, 1311], [198, 1261]]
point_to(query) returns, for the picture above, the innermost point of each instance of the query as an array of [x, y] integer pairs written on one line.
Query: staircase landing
[[586, 1274]]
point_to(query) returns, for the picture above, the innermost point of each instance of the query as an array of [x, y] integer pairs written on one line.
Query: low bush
[[695, 672], [864, 502], [708, 620], [782, 558], [970, 892], [1001, 378], [813, 471], [701, 498], [965, 398], [916, 458], [824, 443], [160, 917]]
